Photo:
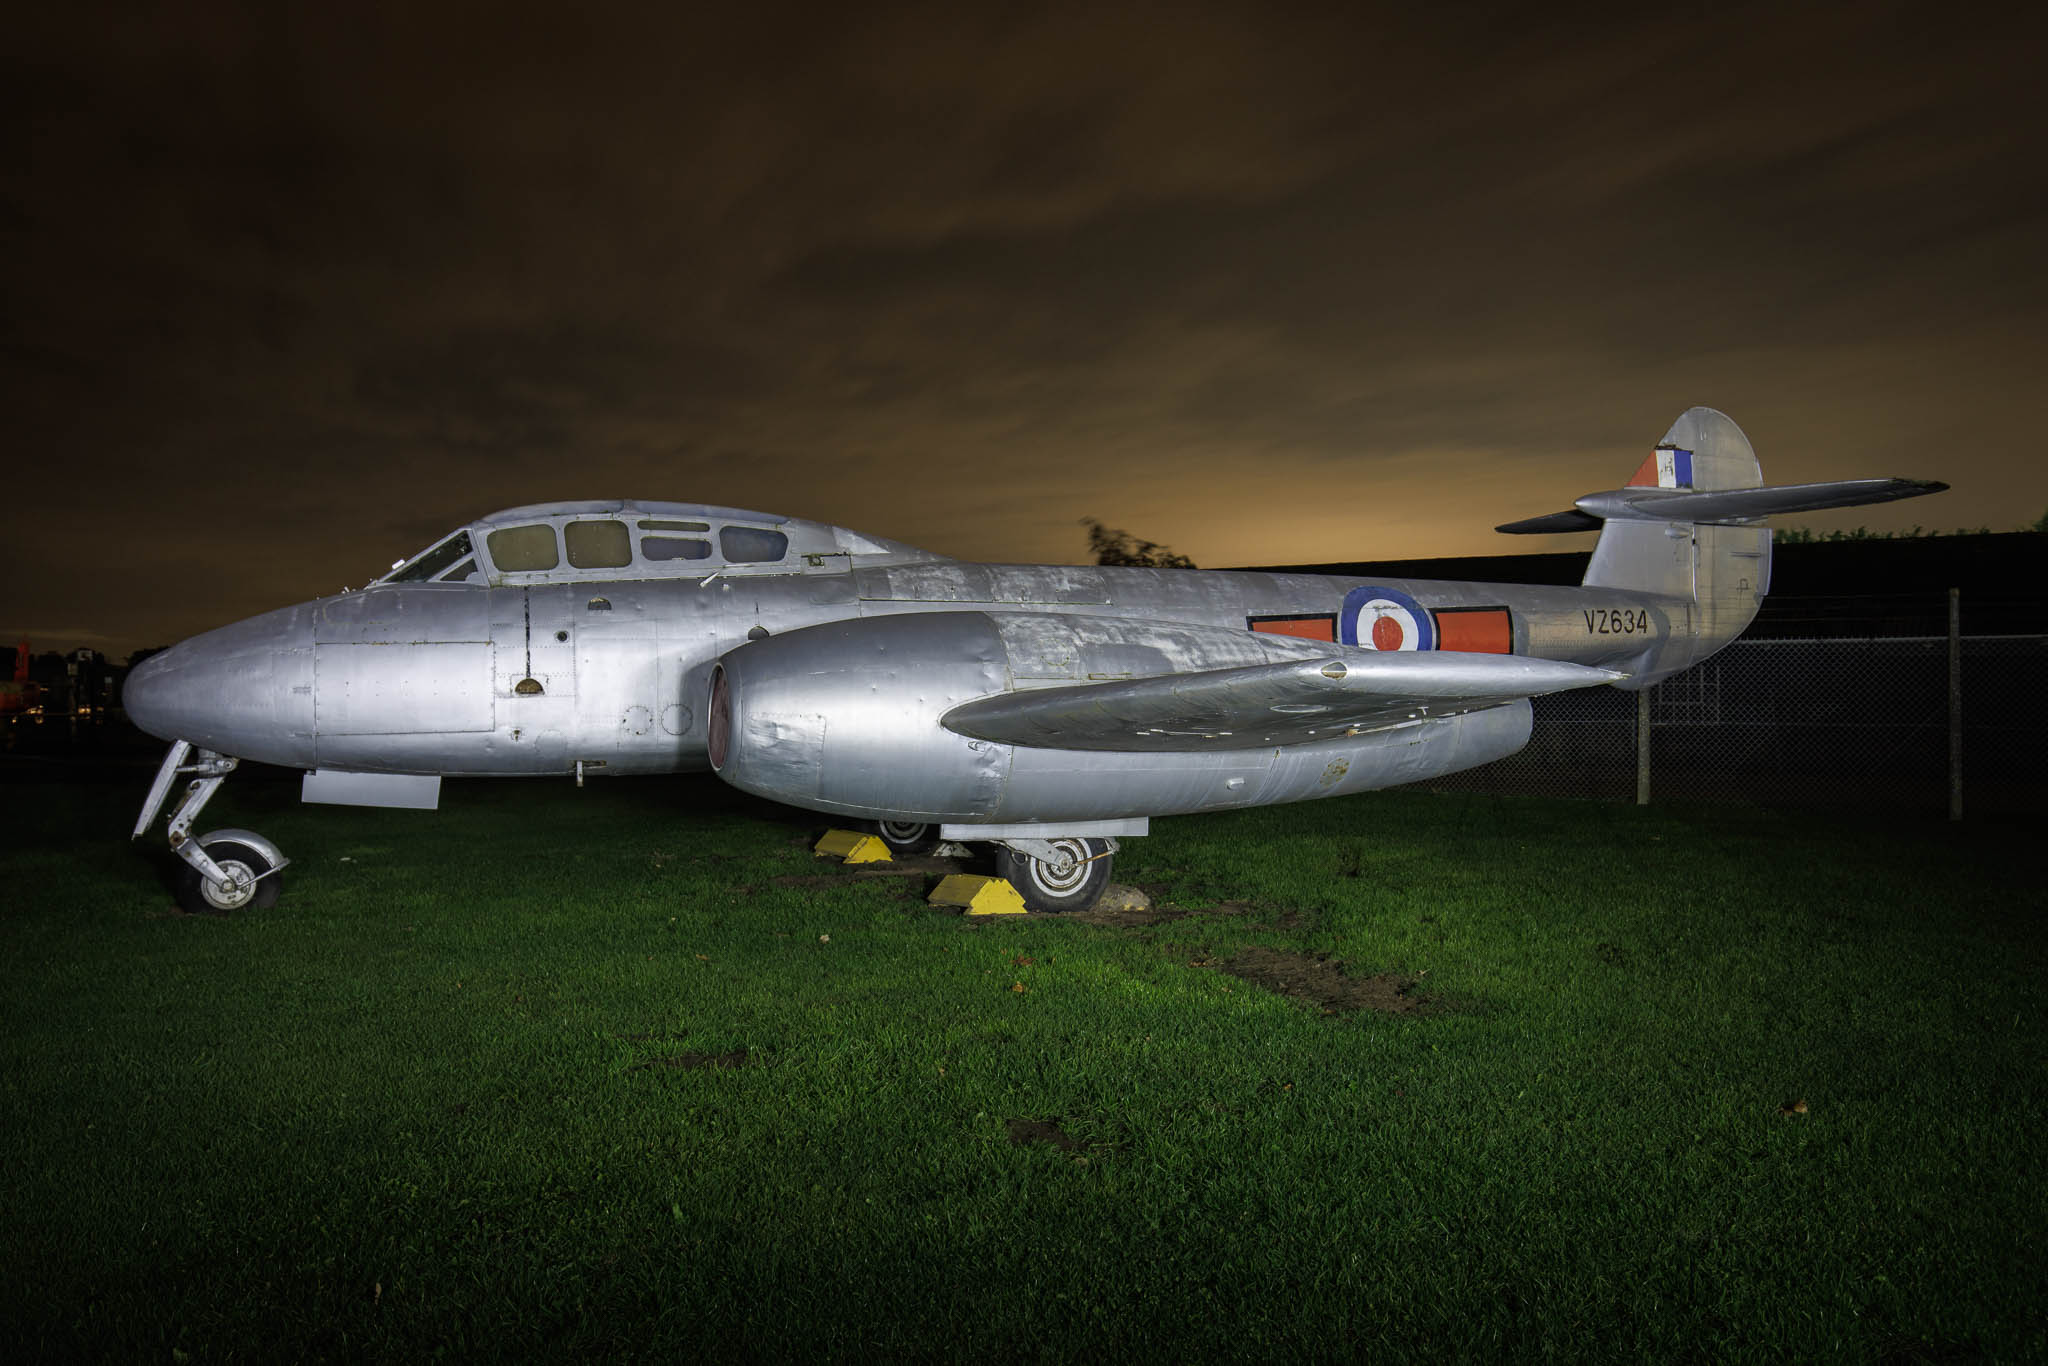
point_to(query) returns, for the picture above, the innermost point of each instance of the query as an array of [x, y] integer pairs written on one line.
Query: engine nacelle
[[844, 718]]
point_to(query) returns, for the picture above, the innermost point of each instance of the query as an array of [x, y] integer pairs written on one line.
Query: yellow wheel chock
[[977, 895], [850, 846]]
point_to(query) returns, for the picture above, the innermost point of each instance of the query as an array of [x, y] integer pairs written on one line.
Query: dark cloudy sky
[[292, 289]]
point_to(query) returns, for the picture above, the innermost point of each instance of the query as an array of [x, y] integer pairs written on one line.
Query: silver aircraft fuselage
[[481, 679]]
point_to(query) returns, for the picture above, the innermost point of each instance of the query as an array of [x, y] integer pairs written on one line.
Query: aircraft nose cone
[[149, 695], [244, 690]]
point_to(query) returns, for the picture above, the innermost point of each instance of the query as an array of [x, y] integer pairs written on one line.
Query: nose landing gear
[[225, 870]]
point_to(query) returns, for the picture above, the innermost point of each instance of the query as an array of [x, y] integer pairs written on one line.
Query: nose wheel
[[248, 881], [225, 870]]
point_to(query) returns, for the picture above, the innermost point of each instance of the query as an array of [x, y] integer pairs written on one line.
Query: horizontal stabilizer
[[1571, 519], [1721, 506], [1259, 705]]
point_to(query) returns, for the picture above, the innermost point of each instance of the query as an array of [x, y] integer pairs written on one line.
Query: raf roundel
[[1378, 618]]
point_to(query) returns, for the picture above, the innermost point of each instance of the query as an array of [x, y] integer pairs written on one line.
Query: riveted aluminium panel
[[403, 614], [402, 689]]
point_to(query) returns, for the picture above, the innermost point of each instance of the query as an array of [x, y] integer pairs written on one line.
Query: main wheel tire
[[908, 838], [1073, 882], [201, 896]]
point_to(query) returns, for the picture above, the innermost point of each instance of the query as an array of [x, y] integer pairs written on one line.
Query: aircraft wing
[[1265, 704]]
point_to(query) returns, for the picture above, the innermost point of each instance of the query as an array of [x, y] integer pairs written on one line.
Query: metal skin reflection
[[1046, 709]]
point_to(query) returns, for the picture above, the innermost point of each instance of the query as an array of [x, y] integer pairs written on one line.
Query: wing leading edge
[[1264, 704]]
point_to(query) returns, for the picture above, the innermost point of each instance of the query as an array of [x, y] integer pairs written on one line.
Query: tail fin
[[1725, 570], [1689, 525]]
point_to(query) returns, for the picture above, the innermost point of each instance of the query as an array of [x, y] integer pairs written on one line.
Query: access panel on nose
[[402, 661]]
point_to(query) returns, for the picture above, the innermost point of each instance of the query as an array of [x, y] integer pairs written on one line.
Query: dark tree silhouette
[[1110, 545], [1800, 535]]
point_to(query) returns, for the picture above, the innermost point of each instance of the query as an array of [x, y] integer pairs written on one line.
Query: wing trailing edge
[[1262, 705]]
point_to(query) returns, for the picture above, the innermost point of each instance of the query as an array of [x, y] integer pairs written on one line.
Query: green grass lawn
[[477, 1086]]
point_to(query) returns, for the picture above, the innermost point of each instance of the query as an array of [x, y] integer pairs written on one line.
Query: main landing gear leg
[[225, 870]]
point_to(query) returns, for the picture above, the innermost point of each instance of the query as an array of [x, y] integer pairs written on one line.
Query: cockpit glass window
[[675, 526], [673, 548], [462, 573], [598, 545], [751, 545], [524, 549], [434, 560]]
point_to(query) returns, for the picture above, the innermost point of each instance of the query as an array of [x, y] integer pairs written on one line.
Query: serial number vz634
[[1617, 621]]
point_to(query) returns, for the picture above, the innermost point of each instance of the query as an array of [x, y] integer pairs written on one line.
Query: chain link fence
[[1841, 722]]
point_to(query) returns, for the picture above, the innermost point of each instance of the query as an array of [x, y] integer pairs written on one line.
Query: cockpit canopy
[[580, 542]]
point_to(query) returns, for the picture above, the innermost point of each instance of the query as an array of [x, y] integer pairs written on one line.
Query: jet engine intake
[[844, 717]]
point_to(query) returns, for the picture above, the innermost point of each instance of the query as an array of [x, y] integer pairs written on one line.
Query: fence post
[[1955, 704], [1643, 747]]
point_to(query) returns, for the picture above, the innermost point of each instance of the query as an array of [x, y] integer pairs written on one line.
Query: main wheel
[[1071, 880], [202, 896], [908, 838]]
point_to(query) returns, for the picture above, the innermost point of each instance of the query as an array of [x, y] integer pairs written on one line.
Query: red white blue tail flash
[[1667, 468]]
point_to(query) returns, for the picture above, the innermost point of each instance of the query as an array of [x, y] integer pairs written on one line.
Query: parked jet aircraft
[[1050, 711]]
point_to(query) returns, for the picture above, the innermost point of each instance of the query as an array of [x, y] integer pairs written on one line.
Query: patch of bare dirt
[[1321, 981], [1080, 1152], [908, 873], [1122, 906], [695, 1062], [908, 865], [1027, 1131]]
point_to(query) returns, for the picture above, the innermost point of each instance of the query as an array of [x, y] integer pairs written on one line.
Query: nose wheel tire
[[1072, 880], [908, 838], [201, 895]]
